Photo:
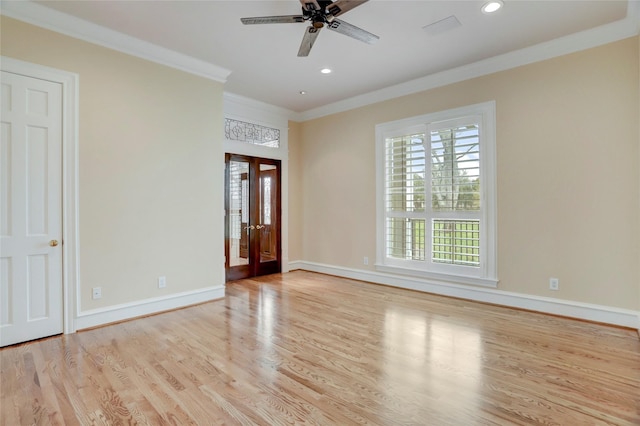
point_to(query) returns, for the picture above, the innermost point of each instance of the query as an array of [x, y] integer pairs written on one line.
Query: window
[[437, 196]]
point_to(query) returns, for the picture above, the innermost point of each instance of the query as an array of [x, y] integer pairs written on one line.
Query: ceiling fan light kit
[[319, 13]]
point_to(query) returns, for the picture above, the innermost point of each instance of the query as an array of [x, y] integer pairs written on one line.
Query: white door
[[30, 209]]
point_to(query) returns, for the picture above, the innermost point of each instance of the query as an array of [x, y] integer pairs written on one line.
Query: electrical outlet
[[162, 282], [554, 284], [366, 260], [97, 293]]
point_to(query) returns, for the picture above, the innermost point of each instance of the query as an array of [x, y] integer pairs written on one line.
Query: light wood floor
[[307, 348]]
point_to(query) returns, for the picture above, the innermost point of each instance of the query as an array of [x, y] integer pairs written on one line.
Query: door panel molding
[[70, 184]]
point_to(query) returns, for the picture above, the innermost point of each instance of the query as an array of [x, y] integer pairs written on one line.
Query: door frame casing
[[70, 234], [253, 268], [249, 110]]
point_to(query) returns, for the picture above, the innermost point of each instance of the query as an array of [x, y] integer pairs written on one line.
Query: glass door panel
[[239, 205], [268, 209]]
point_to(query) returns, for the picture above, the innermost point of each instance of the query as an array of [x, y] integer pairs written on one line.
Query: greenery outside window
[[436, 190]]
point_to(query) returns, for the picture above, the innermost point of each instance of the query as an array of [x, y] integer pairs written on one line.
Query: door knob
[[53, 243], [260, 226]]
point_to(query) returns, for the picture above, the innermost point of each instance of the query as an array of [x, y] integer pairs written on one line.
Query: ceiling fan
[[319, 13]]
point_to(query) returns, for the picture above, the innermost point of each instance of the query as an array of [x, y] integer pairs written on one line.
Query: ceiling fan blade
[[285, 19], [352, 31], [342, 6], [307, 41]]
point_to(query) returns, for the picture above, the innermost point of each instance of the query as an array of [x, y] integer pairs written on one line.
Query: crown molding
[[50, 19], [609, 33], [41, 16]]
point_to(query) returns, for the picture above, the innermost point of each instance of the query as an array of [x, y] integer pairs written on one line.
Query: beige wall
[[568, 182], [150, 168], [151, 183]]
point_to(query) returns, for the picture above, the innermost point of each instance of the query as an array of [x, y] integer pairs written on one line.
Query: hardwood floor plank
[[306, 348]]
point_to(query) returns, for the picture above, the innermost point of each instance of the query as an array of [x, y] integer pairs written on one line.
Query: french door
[[252, 219]]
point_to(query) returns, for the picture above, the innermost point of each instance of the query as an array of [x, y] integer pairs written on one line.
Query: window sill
[[439, 278]]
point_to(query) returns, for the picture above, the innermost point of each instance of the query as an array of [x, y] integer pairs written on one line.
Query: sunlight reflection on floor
[[453, 353]]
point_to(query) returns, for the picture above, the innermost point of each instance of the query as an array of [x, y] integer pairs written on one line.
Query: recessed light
[[492, 6], [325, 70], [302, 92]]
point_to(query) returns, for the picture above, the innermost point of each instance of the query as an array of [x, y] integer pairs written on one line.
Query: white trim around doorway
[[252, 111], [70, 236]]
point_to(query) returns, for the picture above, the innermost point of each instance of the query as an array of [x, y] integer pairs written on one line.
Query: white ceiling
[[263, 62]]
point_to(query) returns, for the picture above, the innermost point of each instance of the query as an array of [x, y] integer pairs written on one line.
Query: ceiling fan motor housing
[[318, 16]]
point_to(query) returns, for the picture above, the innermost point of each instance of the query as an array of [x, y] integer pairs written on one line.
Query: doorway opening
[[253, 217]]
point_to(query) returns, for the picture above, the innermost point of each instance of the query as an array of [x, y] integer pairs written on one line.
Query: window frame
[[486, 273]]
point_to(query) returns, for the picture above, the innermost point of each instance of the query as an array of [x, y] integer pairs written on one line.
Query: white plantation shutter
[[405, 166], [405, 196], [455, 166], [432, 204], [405, 199], [455, 231]]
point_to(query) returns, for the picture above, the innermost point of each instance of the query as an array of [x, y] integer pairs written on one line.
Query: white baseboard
[[585, 311], [125, 311]]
